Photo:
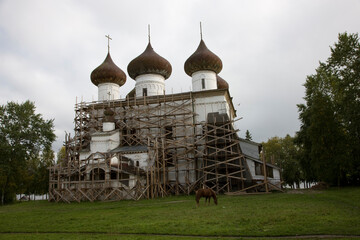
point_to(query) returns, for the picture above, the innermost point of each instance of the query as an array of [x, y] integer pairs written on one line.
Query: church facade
[[152, 144]]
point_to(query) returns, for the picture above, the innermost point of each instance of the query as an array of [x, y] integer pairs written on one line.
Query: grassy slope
[[328, 212]]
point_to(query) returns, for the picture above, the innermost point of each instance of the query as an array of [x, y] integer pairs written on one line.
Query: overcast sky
[[49, 48]]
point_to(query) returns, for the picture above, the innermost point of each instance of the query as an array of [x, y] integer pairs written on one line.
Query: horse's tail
[[197, 196]]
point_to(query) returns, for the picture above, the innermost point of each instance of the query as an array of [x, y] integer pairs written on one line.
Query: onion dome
[[221, 83], [202, 59], [149, 62], [108, 72]]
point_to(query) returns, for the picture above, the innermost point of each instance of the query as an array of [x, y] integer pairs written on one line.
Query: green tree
[[285, 154], [37, 174], [248, 135], [25, 135], [61, 155], [330, 122], [273, 150]]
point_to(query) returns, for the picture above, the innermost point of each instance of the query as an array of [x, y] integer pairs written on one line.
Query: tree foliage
[[25, 149], [61, 155], [330, 118], [248, 135], [37, 173], [285, 154]]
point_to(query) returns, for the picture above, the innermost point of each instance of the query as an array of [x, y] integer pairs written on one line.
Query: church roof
[[130, 149], [108, 72], [202, 59], [149, 62], [221, 83]]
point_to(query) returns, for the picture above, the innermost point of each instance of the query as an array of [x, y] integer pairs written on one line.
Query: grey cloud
[[49, 48]]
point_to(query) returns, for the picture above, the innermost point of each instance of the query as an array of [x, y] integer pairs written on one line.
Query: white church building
[[151, 144]]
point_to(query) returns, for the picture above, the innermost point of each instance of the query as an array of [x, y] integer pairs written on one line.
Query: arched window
[[203, 83]]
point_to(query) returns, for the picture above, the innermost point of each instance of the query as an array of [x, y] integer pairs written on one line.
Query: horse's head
[[215, 199], [213, 194]]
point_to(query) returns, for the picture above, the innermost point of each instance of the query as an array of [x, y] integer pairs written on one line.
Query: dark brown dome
[[108, 72], [221, 83], [202, 59], [149, 62]]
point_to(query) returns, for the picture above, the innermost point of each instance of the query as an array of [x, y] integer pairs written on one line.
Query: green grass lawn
[[329, 212]]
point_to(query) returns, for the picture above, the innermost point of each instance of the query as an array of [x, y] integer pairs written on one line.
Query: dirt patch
[[320, 186], [303, 191], [295, 191]]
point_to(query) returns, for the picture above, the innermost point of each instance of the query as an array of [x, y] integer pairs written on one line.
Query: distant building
[[152, 144]]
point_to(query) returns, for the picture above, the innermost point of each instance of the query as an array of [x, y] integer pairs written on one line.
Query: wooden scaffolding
[[183, 154]]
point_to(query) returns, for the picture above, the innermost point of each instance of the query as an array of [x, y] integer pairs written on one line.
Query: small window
[[269, 172], [203, 83], [144, 92]]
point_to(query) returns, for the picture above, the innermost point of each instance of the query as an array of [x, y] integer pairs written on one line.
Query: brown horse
[[207, 193]]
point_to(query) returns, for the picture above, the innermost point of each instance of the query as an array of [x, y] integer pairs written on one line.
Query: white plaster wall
[[104, 142], [171, 174], [276, 173], [154, 83], [132, 181], [141, 157], [84, 155], [182, 175], [210, 80], [251, 165], [105, 88], [276, 180], [114, 161], [108, 126], [205, 105], [182, 171]]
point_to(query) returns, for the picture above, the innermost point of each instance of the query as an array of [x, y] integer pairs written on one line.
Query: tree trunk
[[3, 192]]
